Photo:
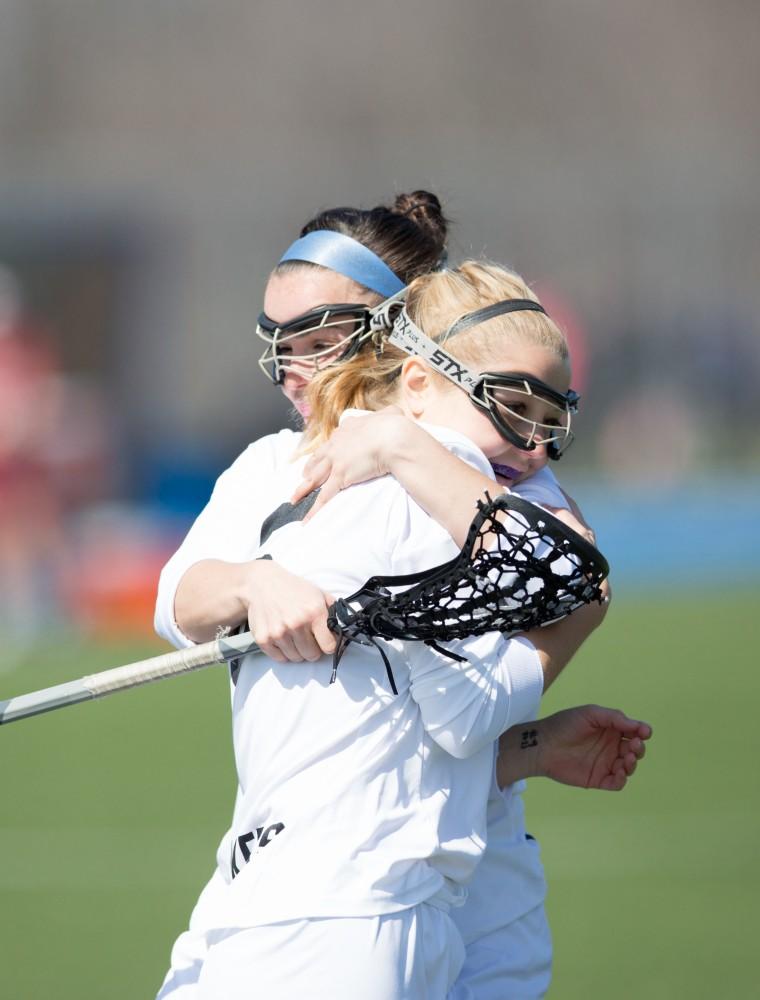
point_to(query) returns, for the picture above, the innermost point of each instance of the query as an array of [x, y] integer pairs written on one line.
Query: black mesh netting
[[519, 568]]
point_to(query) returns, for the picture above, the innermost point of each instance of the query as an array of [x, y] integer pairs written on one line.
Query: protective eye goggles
[[345, 327], [504, 396]]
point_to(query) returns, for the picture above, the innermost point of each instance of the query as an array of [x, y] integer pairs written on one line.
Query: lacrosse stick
[[519, 568]]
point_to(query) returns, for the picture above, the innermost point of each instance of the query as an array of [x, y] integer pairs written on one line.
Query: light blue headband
[[348, 257]]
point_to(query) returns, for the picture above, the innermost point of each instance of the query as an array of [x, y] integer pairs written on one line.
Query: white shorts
[[414, 954], [513, 963]]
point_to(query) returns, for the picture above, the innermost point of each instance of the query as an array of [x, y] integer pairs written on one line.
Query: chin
[[300, 406], [504, 480], [506, 474], [297, 419]]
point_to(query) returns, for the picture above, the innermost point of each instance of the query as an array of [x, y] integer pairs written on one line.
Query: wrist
[[251, 578], [396, 446], [410, 452], [519, 754], [529, 748]]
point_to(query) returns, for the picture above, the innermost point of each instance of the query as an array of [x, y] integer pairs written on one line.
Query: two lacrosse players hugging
[[373, 853]]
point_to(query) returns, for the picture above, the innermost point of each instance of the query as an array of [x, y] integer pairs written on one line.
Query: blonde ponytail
[[366, 382]]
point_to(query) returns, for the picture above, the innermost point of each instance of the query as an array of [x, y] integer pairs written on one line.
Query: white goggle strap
[[382, 315], [409, 338]]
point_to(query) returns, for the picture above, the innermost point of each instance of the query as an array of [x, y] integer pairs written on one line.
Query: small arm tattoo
[[528, 738]]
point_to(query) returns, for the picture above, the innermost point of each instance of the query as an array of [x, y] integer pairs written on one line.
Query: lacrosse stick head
[[520, 568]]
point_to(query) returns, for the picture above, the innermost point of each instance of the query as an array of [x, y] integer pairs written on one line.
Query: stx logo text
[[242, 850], [451, 367]]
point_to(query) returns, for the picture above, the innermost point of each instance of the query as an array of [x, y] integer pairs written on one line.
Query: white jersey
[[228, 529], [355, 801]]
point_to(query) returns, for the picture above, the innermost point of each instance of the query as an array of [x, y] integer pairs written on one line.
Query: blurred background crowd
[[157, 157]]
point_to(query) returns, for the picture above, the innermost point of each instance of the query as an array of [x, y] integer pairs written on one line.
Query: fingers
[[303, 489], [318, 636], [579, 522], [628, 763], [319, 472], [634, 729], [288, 642], [624, 767], [586, 532], [614, 782], [613, 718], [577, 525], [289, 646], [624, 724], [329, 489], [315, 473], [631, 752], [620, 771], [635, 748], [298, 645], [574, 508], [638, 746], [325, 639]]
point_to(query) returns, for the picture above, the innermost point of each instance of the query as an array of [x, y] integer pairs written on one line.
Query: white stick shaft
[[130, 675]]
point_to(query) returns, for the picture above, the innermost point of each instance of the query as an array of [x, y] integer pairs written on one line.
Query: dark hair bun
[[424, 209], [410, 236]]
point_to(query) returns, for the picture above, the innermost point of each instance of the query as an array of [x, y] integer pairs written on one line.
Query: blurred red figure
[[30, 517]]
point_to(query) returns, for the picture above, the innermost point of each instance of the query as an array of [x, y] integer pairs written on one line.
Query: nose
[[294, 389], [295, 379], [294, 383]]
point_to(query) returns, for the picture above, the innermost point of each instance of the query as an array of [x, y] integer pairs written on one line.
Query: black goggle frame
[[275, 366], [556, 437]]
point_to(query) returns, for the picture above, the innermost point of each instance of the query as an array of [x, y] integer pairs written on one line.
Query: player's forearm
[[210, 595], [557, 644], [423, 466]]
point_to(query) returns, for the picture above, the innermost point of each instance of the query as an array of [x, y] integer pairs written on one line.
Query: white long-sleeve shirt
[[382, 526]]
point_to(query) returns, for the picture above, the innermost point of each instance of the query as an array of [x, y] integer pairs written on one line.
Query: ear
[[415, 383]]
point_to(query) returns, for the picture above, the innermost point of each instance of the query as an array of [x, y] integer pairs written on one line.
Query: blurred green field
[[111, 812]]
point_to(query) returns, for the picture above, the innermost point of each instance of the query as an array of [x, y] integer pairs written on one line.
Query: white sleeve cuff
[[164, 622], [174, 635], [527, 680]]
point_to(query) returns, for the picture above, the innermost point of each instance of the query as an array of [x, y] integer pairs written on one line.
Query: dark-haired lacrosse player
[[246, 848]]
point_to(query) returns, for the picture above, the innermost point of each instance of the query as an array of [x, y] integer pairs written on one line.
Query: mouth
[[301, 406], [506, 471]]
